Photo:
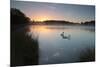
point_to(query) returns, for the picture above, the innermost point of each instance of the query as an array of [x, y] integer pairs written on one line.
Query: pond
[[62, 43]]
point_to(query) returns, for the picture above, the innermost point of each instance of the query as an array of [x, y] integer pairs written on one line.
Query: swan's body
[[65, 37]]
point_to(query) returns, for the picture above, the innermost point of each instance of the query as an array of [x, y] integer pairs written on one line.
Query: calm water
[[54, 48]]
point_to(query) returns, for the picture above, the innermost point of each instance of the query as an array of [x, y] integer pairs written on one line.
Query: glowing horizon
[[40, 18], [39, 11]]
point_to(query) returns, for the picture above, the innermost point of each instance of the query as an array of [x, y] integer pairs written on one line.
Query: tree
[[17, 17]]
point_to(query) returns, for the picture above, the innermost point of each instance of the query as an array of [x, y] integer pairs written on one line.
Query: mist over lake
[[53, 48]]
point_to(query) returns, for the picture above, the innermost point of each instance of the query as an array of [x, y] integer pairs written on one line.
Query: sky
[[39, 11]]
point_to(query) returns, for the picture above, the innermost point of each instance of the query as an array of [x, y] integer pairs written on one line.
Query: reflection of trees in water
[[69, 27], [89, 29], [24, 50]]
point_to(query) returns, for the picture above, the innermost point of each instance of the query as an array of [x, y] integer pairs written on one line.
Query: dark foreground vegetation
[[87, 55], [24, 50]]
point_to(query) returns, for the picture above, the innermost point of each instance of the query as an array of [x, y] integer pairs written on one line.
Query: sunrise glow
[[41, 16], [46, 11], [41, 19]]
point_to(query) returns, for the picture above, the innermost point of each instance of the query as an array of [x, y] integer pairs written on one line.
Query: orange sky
[[38, 11]]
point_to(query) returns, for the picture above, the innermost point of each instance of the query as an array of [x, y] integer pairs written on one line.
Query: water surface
[[53, 48]]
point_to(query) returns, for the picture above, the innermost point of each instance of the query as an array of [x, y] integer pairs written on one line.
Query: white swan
[[65, 37]]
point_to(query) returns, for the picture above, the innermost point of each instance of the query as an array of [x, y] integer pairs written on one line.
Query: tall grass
[[87, 55], [24, 50]]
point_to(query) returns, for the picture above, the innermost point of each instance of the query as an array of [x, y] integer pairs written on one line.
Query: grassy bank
[[24, 50]]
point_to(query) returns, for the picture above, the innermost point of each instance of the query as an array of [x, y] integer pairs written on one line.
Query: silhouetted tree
[[17, 17]]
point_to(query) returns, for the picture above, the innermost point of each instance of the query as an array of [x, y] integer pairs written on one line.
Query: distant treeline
[[18, 17], [88, 23], [61, 22], [55, 22]]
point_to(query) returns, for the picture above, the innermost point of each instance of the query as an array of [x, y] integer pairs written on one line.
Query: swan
[[62, 34], [65, 37]]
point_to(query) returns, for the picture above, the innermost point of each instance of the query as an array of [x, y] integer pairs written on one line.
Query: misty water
[[54, 48]]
